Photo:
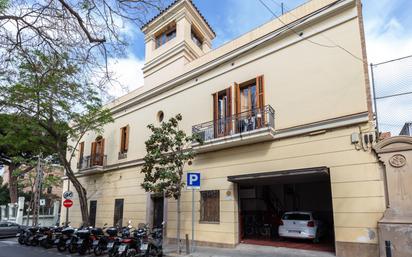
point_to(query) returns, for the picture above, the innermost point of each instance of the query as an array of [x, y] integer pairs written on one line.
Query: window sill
[[209, 222]]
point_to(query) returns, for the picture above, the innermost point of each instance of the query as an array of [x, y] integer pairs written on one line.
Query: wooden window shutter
[[215, 113], [93, 154], [237, 98], [229, 110], [81, 151], [260, 92], [93, 151], [122, 138], [102, 152], [210, 206], [126, 143]]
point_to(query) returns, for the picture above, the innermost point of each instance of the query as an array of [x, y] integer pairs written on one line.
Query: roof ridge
[[170, 6]]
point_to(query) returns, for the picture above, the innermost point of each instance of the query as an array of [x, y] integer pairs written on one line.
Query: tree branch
[[81, 23]]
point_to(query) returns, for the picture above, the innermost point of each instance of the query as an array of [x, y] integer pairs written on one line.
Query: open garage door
[[299, 202]]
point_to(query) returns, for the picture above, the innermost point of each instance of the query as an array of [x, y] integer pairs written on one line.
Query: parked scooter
[[71, 243], [86, 238], [130, 243], [106, 242], [49, 237], [155, 248], [35, 235], [65, 237], [23, 235]]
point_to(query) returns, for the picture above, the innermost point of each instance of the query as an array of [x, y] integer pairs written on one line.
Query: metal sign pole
[[67, 209], [193, 220]]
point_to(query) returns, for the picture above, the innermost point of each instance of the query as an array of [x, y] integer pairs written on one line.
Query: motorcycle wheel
[[45, 243], [61, 247], [34, 243], [27, 241], [97, 251], [72, 248], [21, 240], [82, 250]]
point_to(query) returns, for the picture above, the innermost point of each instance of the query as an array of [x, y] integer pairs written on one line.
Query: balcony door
[[222, 112], [97, 154], [249, 105]]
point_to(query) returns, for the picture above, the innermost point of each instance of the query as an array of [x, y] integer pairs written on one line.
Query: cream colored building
[[286, 116]]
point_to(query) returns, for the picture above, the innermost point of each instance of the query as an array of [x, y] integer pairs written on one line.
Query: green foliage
[[20, 139], [3, 5], [4, 193], [50, 91], [168, 150]]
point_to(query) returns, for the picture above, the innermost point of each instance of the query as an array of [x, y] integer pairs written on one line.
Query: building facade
[[285, 114]]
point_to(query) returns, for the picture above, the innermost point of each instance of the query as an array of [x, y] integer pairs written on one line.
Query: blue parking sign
[[193, 180]]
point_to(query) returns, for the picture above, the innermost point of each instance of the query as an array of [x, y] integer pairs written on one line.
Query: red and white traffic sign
[[67, 203]]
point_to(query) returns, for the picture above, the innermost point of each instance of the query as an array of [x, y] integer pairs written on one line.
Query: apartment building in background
[[285, 114]]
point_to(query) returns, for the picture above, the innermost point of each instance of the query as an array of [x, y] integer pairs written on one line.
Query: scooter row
[[114, 241]]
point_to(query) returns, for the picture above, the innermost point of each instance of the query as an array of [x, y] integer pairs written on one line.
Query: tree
[[88, 31], [49, 90], [27, 182], [168, 151], [19, 144], [4, 193]]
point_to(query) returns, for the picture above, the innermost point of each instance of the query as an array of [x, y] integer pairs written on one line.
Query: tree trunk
[[178, 226], [12, 184], [81, 191]]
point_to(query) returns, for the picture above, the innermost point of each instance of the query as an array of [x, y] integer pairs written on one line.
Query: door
[[222, 112], [250, 105], [92, 213], [97, 152], [118, 212], [158, 205]]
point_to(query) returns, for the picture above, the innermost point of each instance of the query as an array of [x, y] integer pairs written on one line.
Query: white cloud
[[127, 74], [388, 36]]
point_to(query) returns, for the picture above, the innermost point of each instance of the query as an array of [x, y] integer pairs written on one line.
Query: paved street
[[10, 248]]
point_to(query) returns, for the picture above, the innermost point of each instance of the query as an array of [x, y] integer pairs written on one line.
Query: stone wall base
[[399, 236], [346, 249]]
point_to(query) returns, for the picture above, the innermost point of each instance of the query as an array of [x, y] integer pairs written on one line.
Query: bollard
[[187, 244], [388, 248]]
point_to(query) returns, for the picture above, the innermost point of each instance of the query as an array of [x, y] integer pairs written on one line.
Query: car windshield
[[296, 216]]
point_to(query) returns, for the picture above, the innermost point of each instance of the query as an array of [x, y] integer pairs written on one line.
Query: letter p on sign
[[193, 180]]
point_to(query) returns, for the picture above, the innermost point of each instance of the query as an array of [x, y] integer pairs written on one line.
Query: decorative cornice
[[403, 143], [164, 11]]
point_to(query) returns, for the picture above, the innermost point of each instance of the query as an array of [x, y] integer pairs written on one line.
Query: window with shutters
[[97, 152], [210, 206], [124, 142], [249, 104], [222, 112]]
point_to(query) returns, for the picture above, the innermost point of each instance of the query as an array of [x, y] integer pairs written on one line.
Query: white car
[[298, 224]]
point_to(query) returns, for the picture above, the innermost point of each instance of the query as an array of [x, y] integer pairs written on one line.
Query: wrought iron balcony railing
[[244, 122], [92, 161]]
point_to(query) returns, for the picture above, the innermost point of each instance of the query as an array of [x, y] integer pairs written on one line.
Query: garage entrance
[[264, 198]]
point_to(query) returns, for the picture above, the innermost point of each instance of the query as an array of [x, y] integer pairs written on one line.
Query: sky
[[388, 34], [386, 26]]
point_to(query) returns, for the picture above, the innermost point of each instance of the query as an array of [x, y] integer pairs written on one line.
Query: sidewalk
[[248, 250]]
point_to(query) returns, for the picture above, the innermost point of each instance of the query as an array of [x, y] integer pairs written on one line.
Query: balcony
[[254, 126], [92, 163]]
